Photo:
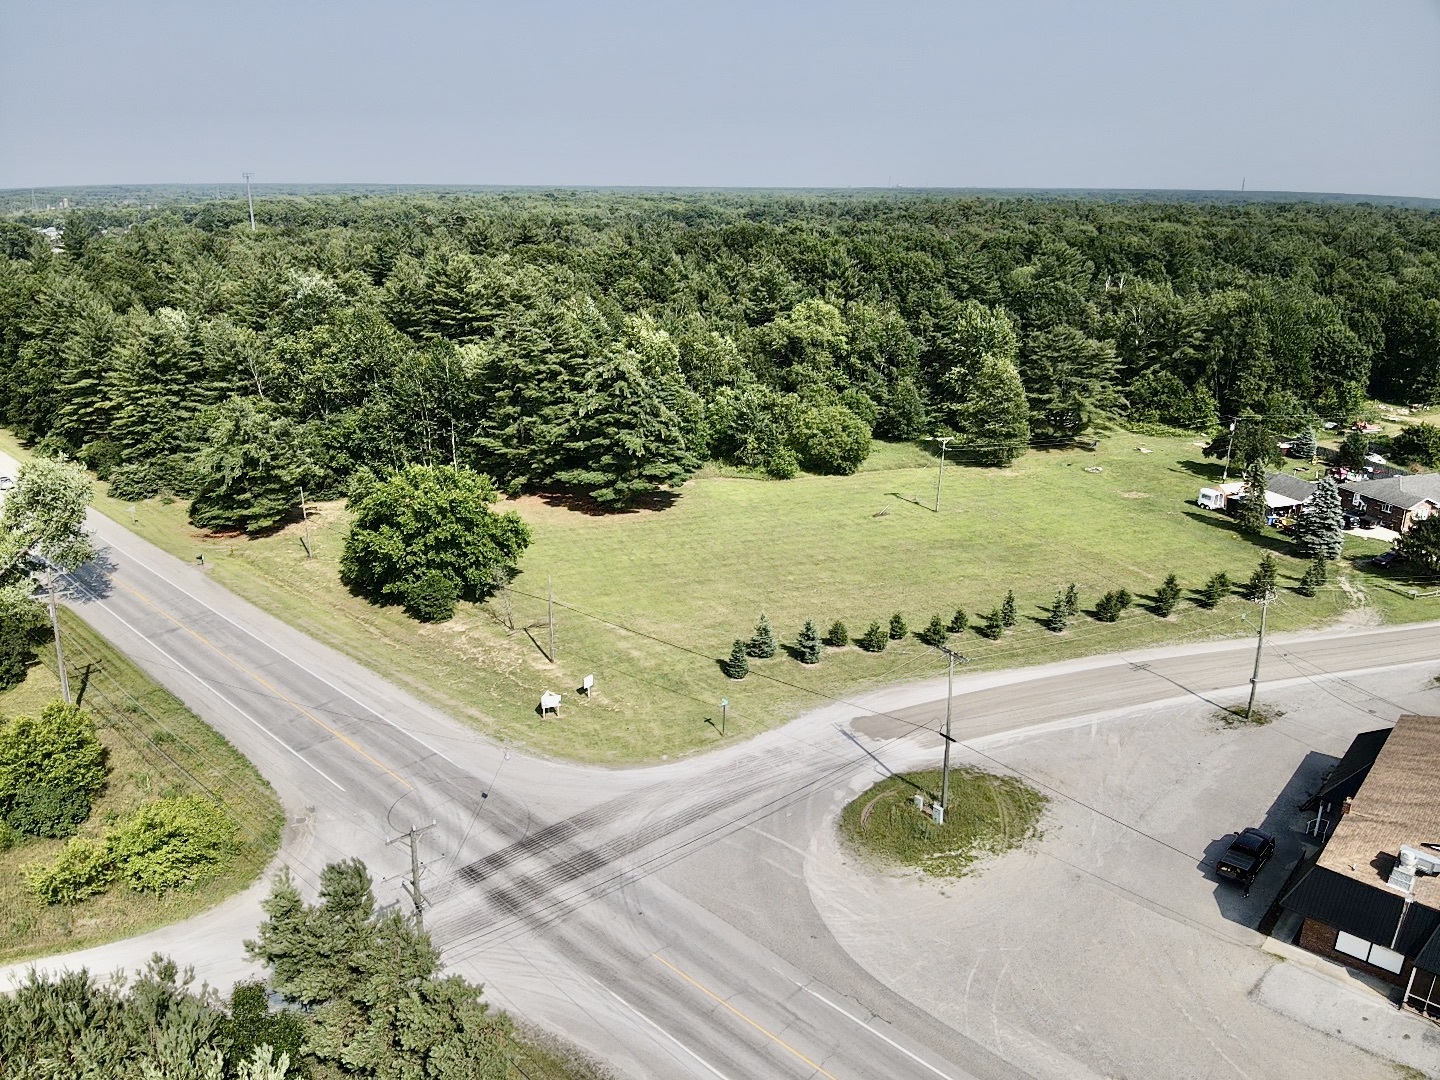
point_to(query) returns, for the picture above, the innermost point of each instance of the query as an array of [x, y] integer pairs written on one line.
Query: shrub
[[1007, 609], [807, 645], [22, 628], [762, 645], [839, 636], [832, 439], [1123, 598], [993, 626], [1262, 581], [82, 868], [50, 769], [1059, 615], [874, 639], [1167, 596], [1215, 590], [432, 597], [935, 632], [958, 622], [738, 666], [782, 464], [898, 629], [102, 457], [171, 842], [134, 482], [1417, 444]]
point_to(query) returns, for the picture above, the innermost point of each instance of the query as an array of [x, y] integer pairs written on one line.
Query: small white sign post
[[588, 685], [549, 702]]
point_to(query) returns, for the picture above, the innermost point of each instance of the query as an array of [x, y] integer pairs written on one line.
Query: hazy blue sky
[[1312, 95]]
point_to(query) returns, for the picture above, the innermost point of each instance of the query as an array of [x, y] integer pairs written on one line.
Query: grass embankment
[[650, 601], [987, 815], [155, 747]]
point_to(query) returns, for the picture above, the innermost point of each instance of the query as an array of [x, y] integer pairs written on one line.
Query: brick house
[[1366, 898], [1396, 502]]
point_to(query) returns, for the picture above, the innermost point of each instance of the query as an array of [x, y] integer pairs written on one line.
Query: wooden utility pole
[[550, 612], [413, 885], [59, 651], [305, 513], [949, 697], [1259, 645]]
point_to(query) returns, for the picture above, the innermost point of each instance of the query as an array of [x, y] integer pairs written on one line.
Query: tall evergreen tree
[[994, 418], [250, 468], [1253, 510], [1262, 581], [1071, 381], [1320, 528], [1303, 445]]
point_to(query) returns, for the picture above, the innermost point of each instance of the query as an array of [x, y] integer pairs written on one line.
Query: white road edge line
[[913, 1057], [314, 674], [204, 683], [662, 1031]]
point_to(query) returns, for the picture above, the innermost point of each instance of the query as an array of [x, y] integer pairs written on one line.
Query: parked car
[[1246, 857], [6, 483], [1351, 521], [1385, 558]]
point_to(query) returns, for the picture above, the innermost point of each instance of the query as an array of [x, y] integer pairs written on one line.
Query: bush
[[1007, 609], [82, 868], [171, 842], [874, 639], [102, 457], [51, 767], [935, 632], [762, 645], [1167, 596], [839, 636], [22, 628], [807, 645], [1123, 598], [958, 622], [135, 482], [898, 629], [1262, 581], [432, 598], [738, 666], [832, 439], [1417, 444], [1215, 590], [993, 626], [782, 464]]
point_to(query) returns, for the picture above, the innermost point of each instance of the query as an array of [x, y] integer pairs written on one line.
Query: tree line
[[610, 343]]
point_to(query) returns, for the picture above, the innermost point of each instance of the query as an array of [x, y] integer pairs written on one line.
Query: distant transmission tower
[[250, 201]]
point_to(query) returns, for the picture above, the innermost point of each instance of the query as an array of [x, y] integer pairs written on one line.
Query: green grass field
[[649, 601], [155, 747], [987, 815]]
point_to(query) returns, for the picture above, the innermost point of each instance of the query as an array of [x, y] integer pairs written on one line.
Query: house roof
[[1291, 487], [1344, 780], [1346, 904], [1399, 803], [1406, 491]]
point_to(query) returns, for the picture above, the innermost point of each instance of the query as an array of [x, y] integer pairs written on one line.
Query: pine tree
[[874, 639], [1072, 600], [738, 666], [1262, 581], [1167, 596], [995, 415], [839, 636], [1319, 530], [1109, 607], [1316, 574], [762, 645], [1007, 609], [1252, 511], [1059, 615], [807, 645], [994, 624], [1217, 587], [934, 633], [1303, 445], [958, 622], [1123, 598], [898, 629]]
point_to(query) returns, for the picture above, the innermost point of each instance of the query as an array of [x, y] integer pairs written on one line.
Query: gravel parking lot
[[1109, 948]]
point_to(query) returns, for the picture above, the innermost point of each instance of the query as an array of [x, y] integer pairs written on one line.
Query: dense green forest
[[609, 343]]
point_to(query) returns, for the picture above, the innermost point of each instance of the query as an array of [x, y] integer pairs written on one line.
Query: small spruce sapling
[[1315, 577], [994, 624], [1215, 589], [738, 666], [1056, 621], [1262, 581], [839, 636], [898, 629], [762, 645], [1072, 600], [807, 645], [874, 639], [934, 633], [1167, 596], [1007, 609], [1108, 607], [959, 621]]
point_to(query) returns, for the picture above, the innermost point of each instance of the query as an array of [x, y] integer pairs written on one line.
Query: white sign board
[[549, 702], [588, 684]]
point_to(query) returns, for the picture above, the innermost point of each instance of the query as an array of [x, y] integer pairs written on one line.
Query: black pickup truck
[[1245, 857]]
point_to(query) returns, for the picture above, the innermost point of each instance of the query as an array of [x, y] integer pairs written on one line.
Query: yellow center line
[[263, 682], [758, 1027]]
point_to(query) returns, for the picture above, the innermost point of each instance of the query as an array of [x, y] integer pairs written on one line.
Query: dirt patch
[[1134, 495], [1360, 612]]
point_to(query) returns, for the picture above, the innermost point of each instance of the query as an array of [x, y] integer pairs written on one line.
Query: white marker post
[[588, 685]]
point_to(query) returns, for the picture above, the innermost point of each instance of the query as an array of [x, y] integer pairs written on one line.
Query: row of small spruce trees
[[1066, 606]]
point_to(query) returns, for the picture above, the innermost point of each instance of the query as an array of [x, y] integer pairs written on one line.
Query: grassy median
[[987, 815]]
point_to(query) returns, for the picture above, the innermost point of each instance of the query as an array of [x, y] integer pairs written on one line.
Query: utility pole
[[413, 885], [305, 513], [550, 612], [944, 442], [1259, 645], [59, 651], [949, 696], [1229, 449], [250, 201]]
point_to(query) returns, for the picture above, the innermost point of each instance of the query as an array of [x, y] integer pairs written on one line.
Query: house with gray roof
[[1396, 502]]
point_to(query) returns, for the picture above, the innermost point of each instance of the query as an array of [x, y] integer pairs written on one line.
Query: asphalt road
[[657, 917]]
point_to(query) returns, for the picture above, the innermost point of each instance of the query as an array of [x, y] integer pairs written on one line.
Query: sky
[[1293, 96]]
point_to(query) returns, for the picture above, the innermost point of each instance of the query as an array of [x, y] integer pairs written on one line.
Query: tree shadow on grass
[[1275, 542], [1212, 471], [583, 503]]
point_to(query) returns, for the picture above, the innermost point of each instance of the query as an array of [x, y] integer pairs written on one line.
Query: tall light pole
[[944, 441], [949, 696], [250, 201], [1259, 645]]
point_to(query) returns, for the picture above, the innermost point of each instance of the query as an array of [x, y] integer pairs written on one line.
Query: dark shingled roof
[[1419, 928], [1405, 491], [1346, 904], [1344, 780], [1428, 959], [1292, 487]]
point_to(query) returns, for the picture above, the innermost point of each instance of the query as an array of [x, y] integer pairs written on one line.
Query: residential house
[[1396, 502], [1370, 898]]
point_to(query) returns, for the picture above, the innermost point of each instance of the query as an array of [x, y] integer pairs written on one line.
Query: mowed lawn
[[649, 601]]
